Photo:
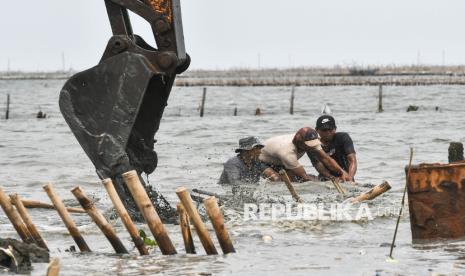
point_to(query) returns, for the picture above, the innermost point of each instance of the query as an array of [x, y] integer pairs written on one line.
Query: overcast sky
[[246, 33]]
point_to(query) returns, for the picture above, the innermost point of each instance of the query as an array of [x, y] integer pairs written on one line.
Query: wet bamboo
[[53, 268], [214, 213], [373, 192], [125, 218], [185, 229], [15, 218], [291, 108], [380, 99], [200, 228], [289, 186], [338, 186], [402, 203], [202, 105], [99, 219], [7, 113], [16, 200], [66, 218], [149, 213], [38, 204]]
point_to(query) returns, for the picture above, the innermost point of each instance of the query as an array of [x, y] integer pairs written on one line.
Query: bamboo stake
[[7, 113], [291, 108], [53, 268], [66, 218], [38, 204], [14, 218], [338, 186], [125, 218], [214, 213], [200, 228], [401, 204], [202, 105], [149, 213], [380, 99], [185, 229], [99, 219], [289, 186], [373, 192], [16, 200]]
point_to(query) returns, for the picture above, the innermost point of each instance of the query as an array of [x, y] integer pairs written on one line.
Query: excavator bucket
[[114, 109]]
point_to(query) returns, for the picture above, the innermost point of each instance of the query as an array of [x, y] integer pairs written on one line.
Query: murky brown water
[[191, 151]]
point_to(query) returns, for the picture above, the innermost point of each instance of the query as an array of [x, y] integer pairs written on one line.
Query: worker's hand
[[311, 177], [271, 175], [345, 176]]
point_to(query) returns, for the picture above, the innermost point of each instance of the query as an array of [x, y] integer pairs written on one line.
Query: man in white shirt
[[284, 152]]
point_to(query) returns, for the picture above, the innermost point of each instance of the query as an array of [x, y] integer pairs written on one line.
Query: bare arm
[[300, 172], [321, 169], [331, 164], [352, 158], [271, 175]]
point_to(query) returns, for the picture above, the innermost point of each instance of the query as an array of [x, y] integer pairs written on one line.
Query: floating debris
[[412, 108], [267, 238]]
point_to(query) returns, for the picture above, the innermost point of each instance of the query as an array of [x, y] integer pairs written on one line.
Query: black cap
[[325, 122], [249, 143]]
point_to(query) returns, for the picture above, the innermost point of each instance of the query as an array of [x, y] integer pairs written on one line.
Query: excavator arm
[[114, 109]]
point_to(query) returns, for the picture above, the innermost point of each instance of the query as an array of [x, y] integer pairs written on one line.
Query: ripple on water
[[191, 153]]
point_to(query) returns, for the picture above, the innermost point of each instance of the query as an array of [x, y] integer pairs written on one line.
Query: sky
[[223, 34]]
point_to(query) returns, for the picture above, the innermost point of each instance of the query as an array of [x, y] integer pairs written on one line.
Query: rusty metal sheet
[[436, 194]]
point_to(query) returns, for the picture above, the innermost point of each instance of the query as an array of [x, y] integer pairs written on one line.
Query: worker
[[338, 145], [284, 152], [245, 167]]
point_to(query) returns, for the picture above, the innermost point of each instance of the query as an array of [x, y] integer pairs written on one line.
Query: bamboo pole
[[214, 213], [291, 108], [16, 200], [125, 218], [7, 113], [380, 99], [66, 218], [99, 219], [338, 186], [200, 228], [202, 105], [15, 218], [373, 192], [38, 204], [289, 186], [149, 213], [185, 229], [53, 268]]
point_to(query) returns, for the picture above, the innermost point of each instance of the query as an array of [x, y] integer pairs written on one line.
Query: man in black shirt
[[338, 145]]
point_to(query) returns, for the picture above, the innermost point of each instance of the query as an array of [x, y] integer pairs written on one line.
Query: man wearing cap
[[338, 145], [284, 152], [246, 167]]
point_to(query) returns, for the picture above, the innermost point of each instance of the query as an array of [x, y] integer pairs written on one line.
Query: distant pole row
[[291, 102]]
